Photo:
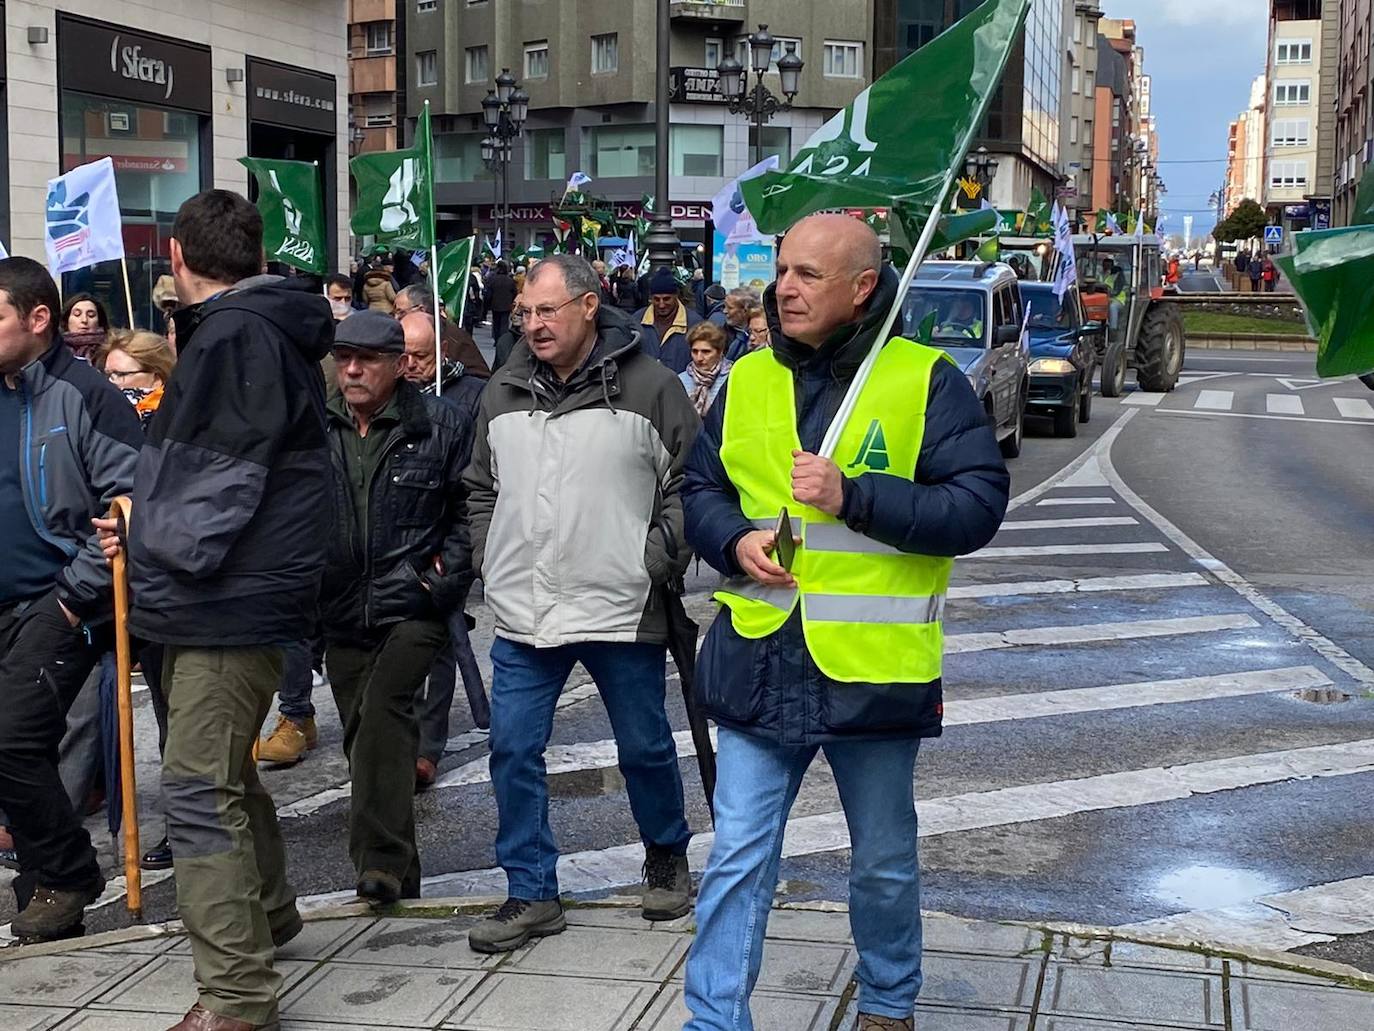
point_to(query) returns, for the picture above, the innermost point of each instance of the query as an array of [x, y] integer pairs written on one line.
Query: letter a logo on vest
[[873, 450]]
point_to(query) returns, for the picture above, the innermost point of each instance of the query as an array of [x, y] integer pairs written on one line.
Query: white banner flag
[[82, 218], [1063, 243], [732, 219]]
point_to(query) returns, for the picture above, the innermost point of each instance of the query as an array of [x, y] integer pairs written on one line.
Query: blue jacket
[[672, 352], [771, 687]]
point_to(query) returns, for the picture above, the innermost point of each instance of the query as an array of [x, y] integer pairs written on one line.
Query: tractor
[[1121, 282]]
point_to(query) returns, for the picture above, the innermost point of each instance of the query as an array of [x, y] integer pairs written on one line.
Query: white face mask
[[340, 309]]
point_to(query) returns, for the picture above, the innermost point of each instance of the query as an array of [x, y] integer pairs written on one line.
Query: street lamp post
[[661, 241], [760, 101], [981, 167], [504, 110]]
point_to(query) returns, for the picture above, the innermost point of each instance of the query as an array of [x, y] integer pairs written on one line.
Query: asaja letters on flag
[[81, 218], [396, 193], [901, 141], [293, 226]]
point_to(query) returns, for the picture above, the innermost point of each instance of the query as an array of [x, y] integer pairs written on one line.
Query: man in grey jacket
[[589, 436], [68, 445]]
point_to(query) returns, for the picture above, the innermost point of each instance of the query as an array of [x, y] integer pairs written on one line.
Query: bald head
[[828, 268], [420, 356]]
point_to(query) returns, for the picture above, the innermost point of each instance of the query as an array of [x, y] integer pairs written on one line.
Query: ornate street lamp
[[760, 101], [504, 111]]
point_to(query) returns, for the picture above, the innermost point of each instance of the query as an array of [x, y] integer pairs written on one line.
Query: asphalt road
[[1201, 282], [1158, 696]]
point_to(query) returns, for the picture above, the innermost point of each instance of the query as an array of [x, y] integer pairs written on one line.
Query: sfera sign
[[130, 62], [115, 61]]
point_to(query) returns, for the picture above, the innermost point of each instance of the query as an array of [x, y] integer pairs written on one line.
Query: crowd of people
[[318, 483]]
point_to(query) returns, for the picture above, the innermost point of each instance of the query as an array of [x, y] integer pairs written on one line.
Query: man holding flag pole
[[839, 551]]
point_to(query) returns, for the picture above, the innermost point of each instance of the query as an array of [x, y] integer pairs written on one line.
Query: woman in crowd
[[139, 363], [709, 369], [85, 324], [758, 329]]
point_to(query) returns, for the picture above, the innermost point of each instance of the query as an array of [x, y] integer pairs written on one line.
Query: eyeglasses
[[400, 313], [544, 312], [115, 376]]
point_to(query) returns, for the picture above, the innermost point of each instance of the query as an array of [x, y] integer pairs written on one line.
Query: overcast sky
[[1202, 56]]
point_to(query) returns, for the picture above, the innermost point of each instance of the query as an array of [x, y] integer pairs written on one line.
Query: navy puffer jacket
[[771, 687]]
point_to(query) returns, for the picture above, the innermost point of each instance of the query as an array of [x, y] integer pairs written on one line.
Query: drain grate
[[1321, 695]]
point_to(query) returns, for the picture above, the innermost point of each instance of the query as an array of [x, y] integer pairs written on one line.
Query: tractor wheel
[[1114, 370], [1160, 351]]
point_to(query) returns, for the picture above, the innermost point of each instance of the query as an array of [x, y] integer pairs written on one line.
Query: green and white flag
[[902, 140], [455, 268], [293, 226], [396, 193]]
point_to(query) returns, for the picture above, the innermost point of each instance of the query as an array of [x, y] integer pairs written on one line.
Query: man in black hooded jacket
[[226, 551]]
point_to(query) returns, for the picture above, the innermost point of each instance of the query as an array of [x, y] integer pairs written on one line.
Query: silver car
[[972, 310]]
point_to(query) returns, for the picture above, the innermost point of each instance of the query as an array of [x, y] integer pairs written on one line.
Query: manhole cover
[[1321, 695]]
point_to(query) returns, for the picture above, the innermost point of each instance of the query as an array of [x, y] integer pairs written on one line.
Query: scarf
[[85, 345], [703, 382], [145, 401]]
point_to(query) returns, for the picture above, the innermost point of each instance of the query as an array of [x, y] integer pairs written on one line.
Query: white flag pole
[[438, 323], [128, 294], [851, 397]]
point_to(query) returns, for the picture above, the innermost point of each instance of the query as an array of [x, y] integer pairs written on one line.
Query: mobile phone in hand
[[784, 545]]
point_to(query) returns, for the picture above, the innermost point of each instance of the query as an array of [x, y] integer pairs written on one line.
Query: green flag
[[293, 226], [396, 193], [1332, 272], [902, 140], [1037, 214], [455, 268]]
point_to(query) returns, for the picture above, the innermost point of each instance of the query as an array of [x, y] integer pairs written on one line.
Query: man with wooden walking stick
[[226, 550], [68, 444]]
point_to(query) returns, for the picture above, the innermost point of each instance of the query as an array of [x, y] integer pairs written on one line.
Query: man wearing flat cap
[[398, 564], [664, 324]]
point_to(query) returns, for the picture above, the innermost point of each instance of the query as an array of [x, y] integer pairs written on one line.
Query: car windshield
[[1045, 310], [959, 315]]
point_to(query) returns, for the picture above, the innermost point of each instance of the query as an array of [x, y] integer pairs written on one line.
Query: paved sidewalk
[[610, 971]]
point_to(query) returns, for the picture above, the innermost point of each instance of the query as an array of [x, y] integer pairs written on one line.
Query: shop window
[[458, 158], [696, 150], [777, 139], [621, 150], [546, 154]]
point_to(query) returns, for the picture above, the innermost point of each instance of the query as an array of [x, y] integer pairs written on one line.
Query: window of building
[[1073, 129], [1288, 175], [426, 68], [1077, 80], [620, 150], [606, 53], [379, 109], [378, 37], [546, 155], [428, 5], [1089, 87], [777, 139], [1294, 51], [475, 64], [1291, 132], [537, 59], [1078, 29], [843, 60], [458, 158], [1293, 93], [697, 150], [715, 52]]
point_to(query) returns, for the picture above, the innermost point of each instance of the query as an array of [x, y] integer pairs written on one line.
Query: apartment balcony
[[718, 11], [371, 10], [372, 74]]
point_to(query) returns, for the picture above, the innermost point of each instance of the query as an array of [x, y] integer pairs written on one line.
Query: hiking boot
[[516, 922], [159, 857], [201, 1019], [426, 773], [53, 914], [667, 885], [378, 888], [873, 1022], [289, 741]]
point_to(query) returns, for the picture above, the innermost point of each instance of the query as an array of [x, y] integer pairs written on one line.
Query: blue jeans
[[756, 784], [525, 686], [296, 684]]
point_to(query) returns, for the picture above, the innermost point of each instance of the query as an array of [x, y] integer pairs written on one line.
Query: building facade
[[1353, 139], [1300, 114], [1024, 123], [589, 69], [376, 74], [1079, 121], [1246, 148], [1114, 113], [174, 97]]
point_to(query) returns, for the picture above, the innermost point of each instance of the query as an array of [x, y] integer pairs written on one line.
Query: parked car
[[973, 311], [1063, 354]]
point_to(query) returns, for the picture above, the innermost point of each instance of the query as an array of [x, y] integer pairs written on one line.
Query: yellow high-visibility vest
[[870, 613]]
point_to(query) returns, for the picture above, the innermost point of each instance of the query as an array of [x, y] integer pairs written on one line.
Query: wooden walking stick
[[121, 511]]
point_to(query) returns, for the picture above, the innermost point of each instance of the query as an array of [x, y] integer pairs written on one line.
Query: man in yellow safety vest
[[841, 651]]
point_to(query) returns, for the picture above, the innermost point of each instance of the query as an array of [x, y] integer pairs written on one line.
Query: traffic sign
[[1273, 234]]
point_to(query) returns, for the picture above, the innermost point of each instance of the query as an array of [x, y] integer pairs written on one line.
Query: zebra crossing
[[1235, 396]]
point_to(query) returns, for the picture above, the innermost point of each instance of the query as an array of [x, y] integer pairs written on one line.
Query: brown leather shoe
[[426, 773], [873, 1022], [201, 1019]]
